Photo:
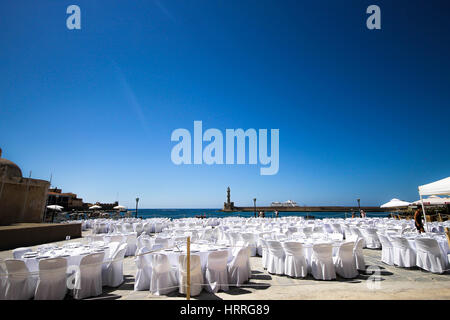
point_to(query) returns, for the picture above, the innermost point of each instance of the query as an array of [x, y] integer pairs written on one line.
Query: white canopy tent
[[440, 187], [432, 201], [395, 203], [95, 207], [55, 207]]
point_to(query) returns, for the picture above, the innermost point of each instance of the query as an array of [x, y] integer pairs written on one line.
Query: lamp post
[[359, 206], [254, 206], [137, 201]]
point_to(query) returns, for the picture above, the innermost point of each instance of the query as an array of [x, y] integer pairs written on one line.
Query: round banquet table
[[202, 251], [308, 247], [72, 255]]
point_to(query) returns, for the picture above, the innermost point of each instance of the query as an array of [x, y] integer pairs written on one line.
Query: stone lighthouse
[[228, 206]]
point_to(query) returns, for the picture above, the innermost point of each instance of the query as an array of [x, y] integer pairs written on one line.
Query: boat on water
[[289, 203]]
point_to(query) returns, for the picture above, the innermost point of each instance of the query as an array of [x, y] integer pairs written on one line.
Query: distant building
[[21, 199], [68, 200]]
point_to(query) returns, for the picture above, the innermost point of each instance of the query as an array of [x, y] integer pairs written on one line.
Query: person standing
[[418, 220], [276, 213]]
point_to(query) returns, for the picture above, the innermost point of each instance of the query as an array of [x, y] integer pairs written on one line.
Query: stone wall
[[22, 200]]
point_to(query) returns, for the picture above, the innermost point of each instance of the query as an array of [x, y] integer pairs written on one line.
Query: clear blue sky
[[362, 114]]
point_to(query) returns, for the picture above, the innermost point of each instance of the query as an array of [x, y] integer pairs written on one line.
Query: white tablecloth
[[74, 256], [173, 255]]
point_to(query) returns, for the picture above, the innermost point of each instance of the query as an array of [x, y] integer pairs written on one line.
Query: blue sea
[[216, 213]]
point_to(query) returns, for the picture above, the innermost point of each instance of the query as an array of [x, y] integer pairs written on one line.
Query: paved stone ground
[[393, 282]]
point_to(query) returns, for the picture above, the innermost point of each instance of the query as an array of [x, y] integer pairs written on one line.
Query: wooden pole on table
[[188, 249]]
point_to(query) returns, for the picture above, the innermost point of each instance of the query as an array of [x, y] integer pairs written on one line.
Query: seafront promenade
[[308, 209], [390, 282]]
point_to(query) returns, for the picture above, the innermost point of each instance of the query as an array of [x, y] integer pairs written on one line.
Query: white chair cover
[[144, 270], [216, 276], [404, 255], [322, 266], [345, 264], [359, 255], [164, 278], [113, 247], [52, 282], [112, 270], [371, 238], [131, 245], [250, 242], [387, 250], [295, 264], [264, 252], [139, 228], [237, 268], [3, 279], [429, 256], [148, 228], [358, 234], [20, 284], [196, 274], [275, 258], [88, 282], [127, 227]]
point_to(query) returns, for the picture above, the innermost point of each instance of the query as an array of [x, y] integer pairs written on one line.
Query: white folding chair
[[139, 228], [164, 277], [358, 234], [371, 238], [131, 244], [264, 252], [112, 270], [147, 228], [307, 232], [216, 275], [404, 255], [429, 256], [3, 279], [344, 263], [52, 282], [144, 270], [20, 283], [249, 241], [238, 268], [358, 254], [88, 281], [295, 264], [387, 250], [276, 257], [196, 274], [127, 227], [322, 266]]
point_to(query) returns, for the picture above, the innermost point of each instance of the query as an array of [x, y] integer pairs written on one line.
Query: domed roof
[[9, 168]]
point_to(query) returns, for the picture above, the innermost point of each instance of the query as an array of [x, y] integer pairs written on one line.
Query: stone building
[[68, 200], [21, 199]]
